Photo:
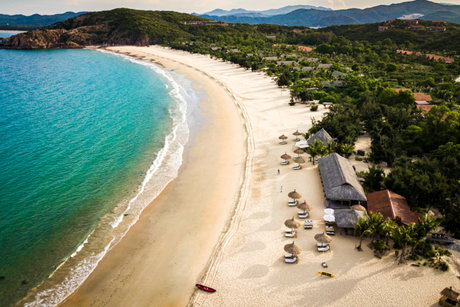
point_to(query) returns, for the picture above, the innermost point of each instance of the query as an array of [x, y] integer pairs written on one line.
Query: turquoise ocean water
[[87, 140]]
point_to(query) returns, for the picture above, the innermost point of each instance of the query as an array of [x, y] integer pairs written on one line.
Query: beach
[[221, 222]]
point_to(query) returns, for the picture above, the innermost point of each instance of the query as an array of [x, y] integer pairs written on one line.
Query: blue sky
[[28, 7]]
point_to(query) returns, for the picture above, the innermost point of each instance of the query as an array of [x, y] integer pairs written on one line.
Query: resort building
[[271, 58], [327, 66], [271, 36], [416, 27], [382, 28], [438, 29], [438, 22], [391, 205], [320, 136], [340, 182]]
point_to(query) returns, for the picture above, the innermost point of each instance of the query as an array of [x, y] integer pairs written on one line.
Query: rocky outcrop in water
[[43, 39]]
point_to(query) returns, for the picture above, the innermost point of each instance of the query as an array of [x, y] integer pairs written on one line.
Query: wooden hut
[[391, 205], [449, 297], [339, 180]]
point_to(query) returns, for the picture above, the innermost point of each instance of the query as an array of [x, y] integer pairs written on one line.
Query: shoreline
[[141, 241]]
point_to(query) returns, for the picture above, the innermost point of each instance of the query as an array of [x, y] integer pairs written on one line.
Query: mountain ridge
[[313, 17], [36, 19]]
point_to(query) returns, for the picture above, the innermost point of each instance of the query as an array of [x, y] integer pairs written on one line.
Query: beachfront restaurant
[[340, 183], [391, 205]]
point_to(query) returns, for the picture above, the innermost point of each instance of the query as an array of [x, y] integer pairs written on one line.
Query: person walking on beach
[[281, 189], [278, 172]]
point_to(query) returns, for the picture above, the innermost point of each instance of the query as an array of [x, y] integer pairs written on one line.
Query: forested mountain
[[36, 19], [314, 17], [270, 12]]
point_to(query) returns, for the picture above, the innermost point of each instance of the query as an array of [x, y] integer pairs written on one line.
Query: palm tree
[[376, 225], [322, 150], [315, 149], [362, 230], [348, 149], [424, 226], [306, 135], [403, 237], [331, 147]]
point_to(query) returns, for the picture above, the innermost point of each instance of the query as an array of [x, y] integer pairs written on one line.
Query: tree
[[315, 149], [376, 224], [362, 230], [355, 67], [331, 147], [348, 149], [406, 98], [402, 236], [374, 178], [391, 67]]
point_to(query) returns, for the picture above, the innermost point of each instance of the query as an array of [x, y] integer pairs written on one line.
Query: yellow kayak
[[326, 274]]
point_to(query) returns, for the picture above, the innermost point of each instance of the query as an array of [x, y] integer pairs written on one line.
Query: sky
[[46, 7]]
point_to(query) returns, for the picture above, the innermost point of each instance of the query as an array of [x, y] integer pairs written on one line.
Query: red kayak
[[204, 288]]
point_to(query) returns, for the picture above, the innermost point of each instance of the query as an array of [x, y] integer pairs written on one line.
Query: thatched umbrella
[[285, 156], [283, 137], [358, 208], [323, 238], [299, 160], [293, 249], [294, 194], [304, 206], [297, 133], [299, 151], [292, 223]]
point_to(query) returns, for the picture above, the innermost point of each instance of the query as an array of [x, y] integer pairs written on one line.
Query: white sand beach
[[234, 240]]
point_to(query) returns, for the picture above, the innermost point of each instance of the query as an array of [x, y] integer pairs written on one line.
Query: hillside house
[[327, 66], [382, 28], [438, 22], [438, 29], [207, 23], [415, 28], [390, 20], [271, 36]]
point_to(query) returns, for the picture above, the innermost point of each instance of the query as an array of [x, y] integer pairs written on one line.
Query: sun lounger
[[290, 230], [283, 143], [290, 235], [297, 167], [329, 228], [321, 244], [296, 139], [289, 256], [331, 233], [292, 203], [308, 224], [285, 162], [303, 216], [290, 260], [323, 249]]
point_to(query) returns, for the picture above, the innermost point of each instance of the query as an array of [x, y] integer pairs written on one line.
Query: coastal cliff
[[115, 27]]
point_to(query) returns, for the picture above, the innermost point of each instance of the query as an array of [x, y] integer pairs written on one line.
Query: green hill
[[447, 16], [122, 26]]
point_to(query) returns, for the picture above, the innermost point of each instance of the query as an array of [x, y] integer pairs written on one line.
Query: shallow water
[[85, 140]]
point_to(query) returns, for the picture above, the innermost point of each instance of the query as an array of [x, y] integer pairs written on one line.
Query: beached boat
[[326, 274], [204, 288]]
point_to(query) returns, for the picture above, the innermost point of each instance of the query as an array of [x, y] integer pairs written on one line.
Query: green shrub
[[443, 266], [314, 108]]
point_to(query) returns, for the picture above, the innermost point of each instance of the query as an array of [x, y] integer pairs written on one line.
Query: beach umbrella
[[299, 160], [294, 194], [299, 151], [293, 249], [297, 133], [285, 156], [323, 238], [292, 223], [329, 218], [304, 206], [283, 137], [329, 211], [358, 208]]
